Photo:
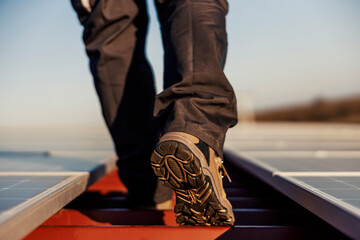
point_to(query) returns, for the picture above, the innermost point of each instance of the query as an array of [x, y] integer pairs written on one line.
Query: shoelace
[[222, 169]]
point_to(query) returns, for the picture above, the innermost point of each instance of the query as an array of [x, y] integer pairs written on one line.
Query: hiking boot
[[193, 169]]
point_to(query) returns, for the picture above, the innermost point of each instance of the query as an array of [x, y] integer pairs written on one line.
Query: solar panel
[[35, 185], [53, 161], [311, 161], [291, 145], [27, 199], [317, 166], [25, 188]]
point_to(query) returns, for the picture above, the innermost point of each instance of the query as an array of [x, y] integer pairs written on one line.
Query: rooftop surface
[[317, 165]]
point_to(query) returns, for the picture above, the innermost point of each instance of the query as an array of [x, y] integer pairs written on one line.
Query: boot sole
[[177, 167]]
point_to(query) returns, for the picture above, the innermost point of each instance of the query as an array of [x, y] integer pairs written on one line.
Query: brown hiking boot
[[190, 167]]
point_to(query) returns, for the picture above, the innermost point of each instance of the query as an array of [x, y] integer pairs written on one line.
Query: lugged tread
[[196, 203]]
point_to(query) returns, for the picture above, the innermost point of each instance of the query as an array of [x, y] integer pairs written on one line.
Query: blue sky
[[281, 52]]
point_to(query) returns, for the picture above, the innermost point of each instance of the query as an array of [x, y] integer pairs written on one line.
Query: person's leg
[[114, 36], [198, 99], [196, 109]]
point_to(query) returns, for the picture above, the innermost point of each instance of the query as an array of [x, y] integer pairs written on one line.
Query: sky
[[280, 53]]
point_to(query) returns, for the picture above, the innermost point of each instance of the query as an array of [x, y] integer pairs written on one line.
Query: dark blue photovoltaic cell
[[17, 189]]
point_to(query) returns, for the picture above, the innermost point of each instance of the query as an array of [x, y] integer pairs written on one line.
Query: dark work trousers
[[198, 99]]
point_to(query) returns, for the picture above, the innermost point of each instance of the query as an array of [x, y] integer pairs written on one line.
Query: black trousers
[[198, 99]]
